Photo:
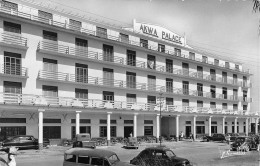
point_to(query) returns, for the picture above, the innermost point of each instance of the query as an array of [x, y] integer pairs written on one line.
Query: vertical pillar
[[210, 125], [235, 124], [77, 121], [158, 127], [177, 127], [223, 125], [256, 125], [194, 126], [40, 125], [247, 126], [108, 128], [135, 125]]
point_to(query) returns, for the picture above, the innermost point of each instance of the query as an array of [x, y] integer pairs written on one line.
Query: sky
[[227, 28]]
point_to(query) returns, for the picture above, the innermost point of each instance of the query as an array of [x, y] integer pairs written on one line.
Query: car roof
[[157, 148], [22, 136], [90, 152]]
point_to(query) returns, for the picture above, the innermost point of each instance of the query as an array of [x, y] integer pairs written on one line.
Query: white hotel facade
[[62, 75]]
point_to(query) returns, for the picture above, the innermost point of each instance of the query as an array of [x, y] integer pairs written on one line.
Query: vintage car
[[154, 156], [214, 137], [233, 136], [21, 142], [244, 143], [132, 143], [91, 157], [84, 140]]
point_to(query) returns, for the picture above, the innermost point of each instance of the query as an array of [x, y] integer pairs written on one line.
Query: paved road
[[200, 153]]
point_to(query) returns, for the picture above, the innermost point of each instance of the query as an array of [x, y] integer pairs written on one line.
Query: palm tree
[[256, 7]]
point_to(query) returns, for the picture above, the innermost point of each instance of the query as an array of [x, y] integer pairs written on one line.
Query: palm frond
[[256, 7]]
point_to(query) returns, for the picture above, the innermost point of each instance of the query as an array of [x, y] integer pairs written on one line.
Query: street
[[199, 153]]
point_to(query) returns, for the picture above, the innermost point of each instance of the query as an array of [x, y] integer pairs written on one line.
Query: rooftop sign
[[158, 32]]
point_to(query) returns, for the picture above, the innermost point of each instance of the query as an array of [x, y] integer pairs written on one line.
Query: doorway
[[187, 131], [128, 130]]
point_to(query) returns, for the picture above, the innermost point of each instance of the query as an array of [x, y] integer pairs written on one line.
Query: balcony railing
[[13, 39], [107, 35], [245, 99], [84, 79], [14, 70], [84, 53], [39, 100]]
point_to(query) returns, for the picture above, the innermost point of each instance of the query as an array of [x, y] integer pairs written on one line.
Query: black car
[[247, 143], [159, 156], [215, 137], [233, 136], [21, 142]]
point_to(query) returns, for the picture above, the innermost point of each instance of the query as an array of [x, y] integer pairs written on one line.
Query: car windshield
[[170, 153], [9, 139], [113, 159]]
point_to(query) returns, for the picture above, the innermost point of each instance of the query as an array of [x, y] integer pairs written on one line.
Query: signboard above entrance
[[158, 32]]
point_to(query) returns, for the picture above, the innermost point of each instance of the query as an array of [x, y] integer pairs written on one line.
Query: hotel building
[[63, 74]]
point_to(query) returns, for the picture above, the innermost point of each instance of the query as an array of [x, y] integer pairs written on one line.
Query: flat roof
[[90, 152]]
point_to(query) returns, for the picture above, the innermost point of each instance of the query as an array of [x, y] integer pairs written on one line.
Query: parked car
[[91, 157], [159, 156], [21, 142], [214, 137], [84, 140], [132, 143], [233, 136], [247, 143]]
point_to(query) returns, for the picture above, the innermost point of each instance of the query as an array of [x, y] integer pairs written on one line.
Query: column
[[77, 121], [235, 124], [247, 126], [177, 127], [40, 125], [158, 127], [256, 125], [194, 126], [210, 125], [135, 125], [223, 125], [108, 128]]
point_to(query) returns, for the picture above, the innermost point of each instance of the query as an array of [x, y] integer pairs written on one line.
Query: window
[[108, 53], [244, 95], [12, 27], [148, 130], [81, 47], [227, 65], [102, 121], [200, 89], [185, 69], [235, 94], [12, 87], [84, 121], [244, 81], [131, 98], [50, 65], [130, 80], [204, 59], [7, 131], [214, 129], [244, 107], [113, 131], [216, 62], [169, 101], [148, 121], [144, 43], [161, 48], [50, 35], [108, 96], [151, 83], [51, 91], [224, 92], [75, 25], [45, 120], [108, 77], [235, 107], [169, 65], [213, 91], [81, 71], [52, 132], [200, 104], [83, 159], [96, 161], [212, 104], [200, 71], [81, 93], [151, 63], [101, 32], [235, 79], [103, 131], [177, 51], [151, 99], [212, 75], [185, 86], [44, 16], [191, 55], [12, 63], [131, 58], [9, 5], [200, 129], [169, 85], [128, 122], [188, 122], [224, 106], [124, 38], [224, 77], [237, 67], [185, 102], [12, 120]]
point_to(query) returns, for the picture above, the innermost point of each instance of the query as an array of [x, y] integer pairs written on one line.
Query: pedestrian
[[257, 141], [228, 138], [191, 136], [181, 136], [11, 152]]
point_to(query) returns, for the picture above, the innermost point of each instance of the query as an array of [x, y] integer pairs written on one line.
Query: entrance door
[[128, 130], [188, 131]]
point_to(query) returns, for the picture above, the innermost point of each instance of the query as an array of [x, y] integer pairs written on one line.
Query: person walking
[[228, 139], [191, 137]]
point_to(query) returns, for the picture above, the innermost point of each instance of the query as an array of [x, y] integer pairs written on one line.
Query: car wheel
[[247, 148]]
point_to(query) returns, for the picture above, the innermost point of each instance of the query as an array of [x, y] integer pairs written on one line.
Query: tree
[[256, 7]]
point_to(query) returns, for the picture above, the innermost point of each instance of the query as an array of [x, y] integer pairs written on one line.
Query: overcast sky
[[228, 28]]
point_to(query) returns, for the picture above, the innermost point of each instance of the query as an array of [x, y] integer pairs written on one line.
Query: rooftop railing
[[107, 36], [13, 38], [39, 100], [14, 70], [84, 53]]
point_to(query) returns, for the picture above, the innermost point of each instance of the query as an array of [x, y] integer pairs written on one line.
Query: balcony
[[246, 84], [81, 53], [13, 71], [96, 81], [108, 36], [66, 102], [13, 40], [245, 99]]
